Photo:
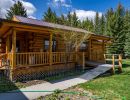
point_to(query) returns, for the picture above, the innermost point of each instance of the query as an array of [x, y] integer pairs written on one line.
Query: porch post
[[103, 49], [13, 52], [76, 50], [90, 48], [7, 45], [50, 50]]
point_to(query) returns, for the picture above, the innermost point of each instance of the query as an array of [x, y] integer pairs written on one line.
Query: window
[[46, 45]]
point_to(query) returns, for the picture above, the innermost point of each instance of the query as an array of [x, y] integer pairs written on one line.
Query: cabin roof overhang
[[45, 27], [6, 25]]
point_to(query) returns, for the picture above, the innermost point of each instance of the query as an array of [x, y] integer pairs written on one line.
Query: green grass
[[115, 87]]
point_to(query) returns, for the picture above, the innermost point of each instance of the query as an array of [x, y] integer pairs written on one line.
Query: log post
[[103, 50], [7, 44], [13, 53], [90, 46], [83, 64], [76, 50], [50, 50], [113, 64], [120, 63], [105, 58]]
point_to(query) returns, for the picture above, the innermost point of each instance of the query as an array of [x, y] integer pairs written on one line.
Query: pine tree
[[127, 26], [108, 17], [117, 31], [50, 16], [97, 24], [74, 20], [88, 25], [102, 25], [16, 9], [69, 19]]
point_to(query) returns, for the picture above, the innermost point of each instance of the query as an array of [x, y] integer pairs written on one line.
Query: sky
[[83, 8]]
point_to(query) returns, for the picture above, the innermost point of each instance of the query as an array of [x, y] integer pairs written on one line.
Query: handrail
[[3, 59], [42, 58], [114, 58]]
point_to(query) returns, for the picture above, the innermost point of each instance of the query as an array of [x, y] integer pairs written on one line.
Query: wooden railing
[[6, 59], [3, 60], [115, 60], [62, 57], [42, 58], [9, 58], [32, 58]]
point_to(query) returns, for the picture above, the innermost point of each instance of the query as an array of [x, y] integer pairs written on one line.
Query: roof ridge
[[50, 22]]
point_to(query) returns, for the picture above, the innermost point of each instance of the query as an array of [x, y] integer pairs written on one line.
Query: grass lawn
[[115, 87]]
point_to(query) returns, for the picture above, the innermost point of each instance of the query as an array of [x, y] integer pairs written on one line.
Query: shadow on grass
[[6, 87]]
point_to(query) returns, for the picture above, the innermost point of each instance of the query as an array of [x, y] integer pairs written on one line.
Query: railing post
[[120, 63], [90, 48], [105, 58], [13, 54], [7, 44], [50, 50], [83, 64], [113, 64]]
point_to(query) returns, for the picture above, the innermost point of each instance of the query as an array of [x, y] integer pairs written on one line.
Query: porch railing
[[115, 60], [5, 59], [32, 58], [42, 58], [62, 57]]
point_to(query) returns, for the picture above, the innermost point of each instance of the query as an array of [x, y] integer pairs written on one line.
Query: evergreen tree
[[16, 9], [127, 26], [102, 25], [74, 20], [117, 31], [50, 16], [88, 25], [97, 24], [69, 19], [108, 17]]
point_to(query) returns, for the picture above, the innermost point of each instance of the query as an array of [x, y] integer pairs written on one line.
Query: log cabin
[[29, 51]]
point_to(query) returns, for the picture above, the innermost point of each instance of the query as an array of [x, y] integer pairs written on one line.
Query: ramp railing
[[115, 60]]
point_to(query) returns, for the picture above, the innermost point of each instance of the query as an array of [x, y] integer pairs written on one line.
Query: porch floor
[[62, 84]]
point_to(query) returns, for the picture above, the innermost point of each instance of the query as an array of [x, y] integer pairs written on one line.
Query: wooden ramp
[[93, 63], [100, 69]]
